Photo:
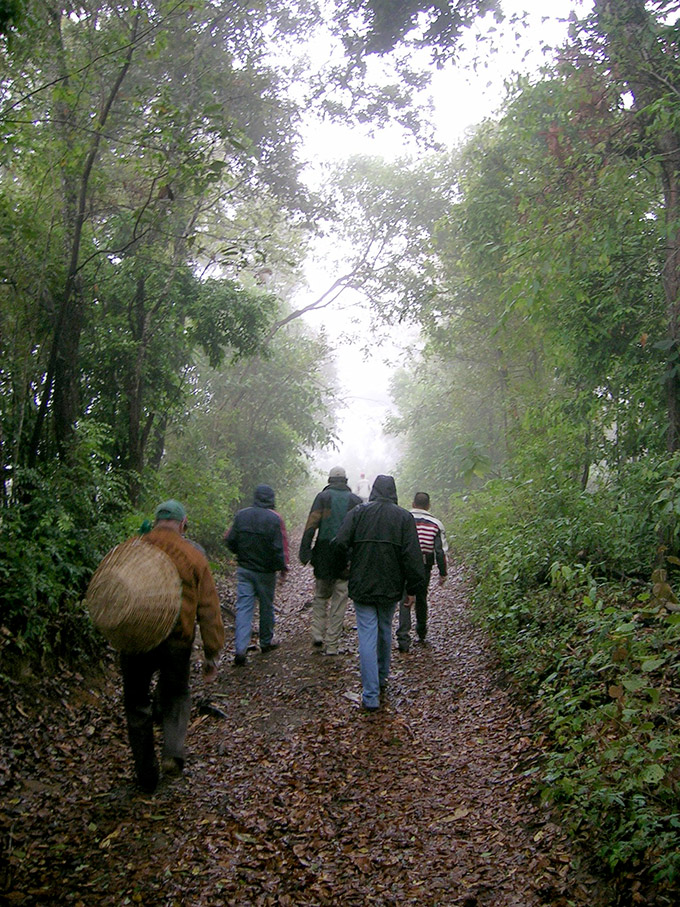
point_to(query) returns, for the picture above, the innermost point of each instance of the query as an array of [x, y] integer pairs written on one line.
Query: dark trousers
[[404, 629], [172, 662]]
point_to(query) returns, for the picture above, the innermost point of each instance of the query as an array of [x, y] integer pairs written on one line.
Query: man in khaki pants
[[330, 599]]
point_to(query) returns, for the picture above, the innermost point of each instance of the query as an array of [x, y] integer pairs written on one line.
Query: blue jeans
[[251, 585], [374, 628]]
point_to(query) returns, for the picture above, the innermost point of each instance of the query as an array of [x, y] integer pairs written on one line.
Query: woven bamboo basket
[[134, 596]]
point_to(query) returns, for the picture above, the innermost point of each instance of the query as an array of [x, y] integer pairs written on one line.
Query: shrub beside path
[[294, 796]]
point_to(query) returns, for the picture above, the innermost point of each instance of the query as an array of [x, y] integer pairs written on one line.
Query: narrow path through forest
[[297, 796]]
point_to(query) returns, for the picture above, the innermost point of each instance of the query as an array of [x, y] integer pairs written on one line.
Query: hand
[[409, 601], [210, 671], [442, 580]]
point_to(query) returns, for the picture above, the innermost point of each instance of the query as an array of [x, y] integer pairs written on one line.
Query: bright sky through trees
[[462, 95]]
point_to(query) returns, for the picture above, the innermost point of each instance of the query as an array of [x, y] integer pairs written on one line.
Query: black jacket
[[328, 511], [258, 535], [381, 542]]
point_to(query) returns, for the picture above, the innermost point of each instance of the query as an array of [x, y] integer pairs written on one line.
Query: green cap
[[171, 510]]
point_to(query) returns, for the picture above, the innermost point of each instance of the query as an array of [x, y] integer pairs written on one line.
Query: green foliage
[[538, 406], [416, 23], [387, 215], [205, 479], [562, 585], [56, 527], [666, 505], [150, 330], [604, 666], [11, 12], [132, 172], [250, 422], [139, 201], [230, 317]]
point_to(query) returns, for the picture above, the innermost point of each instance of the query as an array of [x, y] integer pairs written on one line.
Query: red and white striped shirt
[[428, 526]]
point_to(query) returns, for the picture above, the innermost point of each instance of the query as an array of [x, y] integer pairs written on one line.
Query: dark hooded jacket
[[329, 509], [258, 535], [381, 543]]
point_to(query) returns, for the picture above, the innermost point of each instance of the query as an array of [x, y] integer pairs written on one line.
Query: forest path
[[297, 797]]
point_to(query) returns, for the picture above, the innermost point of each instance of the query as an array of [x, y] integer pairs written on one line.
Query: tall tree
[[151, 155], [639, 41], [542, 303]]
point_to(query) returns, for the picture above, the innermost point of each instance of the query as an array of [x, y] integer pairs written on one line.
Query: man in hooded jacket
[[330, 596], [259, 541], [380, 541]]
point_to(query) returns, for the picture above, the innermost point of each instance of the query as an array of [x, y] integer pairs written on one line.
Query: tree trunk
[[135, 391], [670, 174], [62, 380]]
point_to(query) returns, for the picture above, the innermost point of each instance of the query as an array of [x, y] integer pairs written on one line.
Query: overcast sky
[[462, 98]]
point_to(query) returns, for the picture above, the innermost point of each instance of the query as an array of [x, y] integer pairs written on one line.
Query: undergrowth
[[560, 586], [605, 672], [53, 532]]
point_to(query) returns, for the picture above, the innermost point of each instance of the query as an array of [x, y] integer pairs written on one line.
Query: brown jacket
[[199, 595]]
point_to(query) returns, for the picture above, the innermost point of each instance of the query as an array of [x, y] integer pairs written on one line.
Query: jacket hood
[[384, 489], [264, 496]]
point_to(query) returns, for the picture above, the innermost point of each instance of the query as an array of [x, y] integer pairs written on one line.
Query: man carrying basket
[[157, 635]]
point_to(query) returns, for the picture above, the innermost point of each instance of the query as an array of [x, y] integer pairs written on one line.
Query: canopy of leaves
[[377, 26]]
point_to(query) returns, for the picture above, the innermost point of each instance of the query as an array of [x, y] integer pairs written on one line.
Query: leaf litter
[[292, 795]]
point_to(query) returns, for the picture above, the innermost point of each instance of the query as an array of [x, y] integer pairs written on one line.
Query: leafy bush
[[55, 529], [562, 582], [605, 671]]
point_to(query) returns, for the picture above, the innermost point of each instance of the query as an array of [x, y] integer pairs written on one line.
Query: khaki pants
[[328, 612]]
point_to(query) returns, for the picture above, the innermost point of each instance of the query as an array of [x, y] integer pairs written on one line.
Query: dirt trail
[[297, 797]]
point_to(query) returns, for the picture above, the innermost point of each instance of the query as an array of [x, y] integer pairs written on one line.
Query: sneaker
[[239, 660], [423, 642], [269, 646], [369, 708], [172, 766], [403, 649]]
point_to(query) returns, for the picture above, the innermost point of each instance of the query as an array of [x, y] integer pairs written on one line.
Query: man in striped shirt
[[433, 546]]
